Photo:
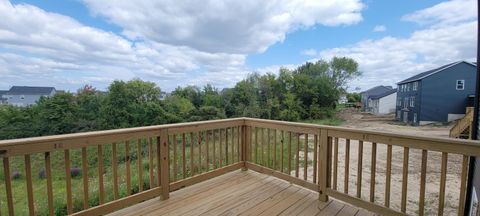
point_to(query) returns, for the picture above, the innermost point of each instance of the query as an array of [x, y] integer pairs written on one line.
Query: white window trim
[[463, 85]]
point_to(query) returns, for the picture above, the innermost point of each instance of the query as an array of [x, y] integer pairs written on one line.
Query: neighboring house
[[342, 99], [384, 103], [438, 95], [27, 95], [3, 99], [377, 90]]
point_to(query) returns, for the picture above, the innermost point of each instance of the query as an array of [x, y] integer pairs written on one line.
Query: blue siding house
[[438, 95]]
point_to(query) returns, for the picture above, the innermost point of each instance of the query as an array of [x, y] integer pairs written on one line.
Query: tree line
[[308, 92]]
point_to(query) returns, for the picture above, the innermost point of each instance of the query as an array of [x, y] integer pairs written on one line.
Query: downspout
[[474, 127]]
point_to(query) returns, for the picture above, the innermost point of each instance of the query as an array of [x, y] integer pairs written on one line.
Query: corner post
[[323, 177], [244, 146], [164, 165]]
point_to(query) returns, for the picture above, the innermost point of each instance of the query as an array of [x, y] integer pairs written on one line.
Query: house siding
[[409, 93], [439, 94], [28, 99]]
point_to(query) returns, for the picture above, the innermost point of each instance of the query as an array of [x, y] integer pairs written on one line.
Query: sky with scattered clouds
[[70, 43]]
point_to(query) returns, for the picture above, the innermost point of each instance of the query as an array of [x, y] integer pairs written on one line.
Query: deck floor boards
[[242, 193]]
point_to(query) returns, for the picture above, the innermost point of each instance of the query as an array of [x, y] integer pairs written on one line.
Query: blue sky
[[70, 43]]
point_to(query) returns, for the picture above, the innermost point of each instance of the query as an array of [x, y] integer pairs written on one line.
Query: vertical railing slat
[[127, 166], [199, 136], [184, 159], [289, 165], [207, 159], [68, 181], [101, 190], [232, 146], [323, 159], [140, 165], [443, 178], [174, 145], [297, 155], [164, 164], [282, 143], [262, 150], [335, 164], [268, 147], [315, 157], [214, 154], [347, 166], [28, 174], [463, 185], [388, 176], [404, 179], [48, 173], [305, 158], [192, 168], [274, 149], [239, 131], [373, 169], [359, 169], [85, 177], [220, 148], [255, 150], [8, 185], [150, 162], [423, 176], [114, 169], [226, 147]]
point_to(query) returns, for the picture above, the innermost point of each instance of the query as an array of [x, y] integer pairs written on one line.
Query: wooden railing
[[123, 167], [463, 127]]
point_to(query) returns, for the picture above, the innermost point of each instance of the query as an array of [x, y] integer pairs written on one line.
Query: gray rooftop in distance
[[30, 90], [381, 95], [433, 71]]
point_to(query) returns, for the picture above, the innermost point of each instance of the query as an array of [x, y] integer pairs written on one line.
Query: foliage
[[307, 92], [354, 97]]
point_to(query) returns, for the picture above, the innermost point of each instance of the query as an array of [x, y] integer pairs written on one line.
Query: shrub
[[75, 172], [16, 175], [41, 174]]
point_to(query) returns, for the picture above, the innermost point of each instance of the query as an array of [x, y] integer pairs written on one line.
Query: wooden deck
[[243, 193]]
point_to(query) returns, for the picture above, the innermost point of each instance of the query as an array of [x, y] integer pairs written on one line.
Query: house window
[[415, 86], [399, 102], [460, 84], [22, 97], [414, 117], [412, 101], [405, 102]]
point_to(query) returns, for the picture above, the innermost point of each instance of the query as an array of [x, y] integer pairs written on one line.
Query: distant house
[[437, 95], [3, 99], [377, 90], [343, 99], [383, 103], [27, 95]]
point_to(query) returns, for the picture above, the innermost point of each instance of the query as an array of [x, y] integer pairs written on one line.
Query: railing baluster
[[184, 160], [373, 169], [214, 159], [101, 191], [232, 159], [159, 168], [85, 177], [150, 162], [256, 146], [239, 131], [305, 158], [388, 176], [282, 141], [220, 150], [226, 147], [164, 164], [48, 173], [199, 136], [250, 144], [347, 165], [324, 157], [297, 155], [262, 142], [315, 157], [359, 168], [274, 149], [115, 173], [207, 160], [192, 168], [423, 176], [140, 165], [289, 165], [68, 179], [174, 143], [268, 147], [8, 185], [127, 165], [463, 185], [443, 178], [28, 174], [335, 164], [405, 179]]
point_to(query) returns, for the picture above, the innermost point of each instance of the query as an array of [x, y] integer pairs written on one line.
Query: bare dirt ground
[[357, 120]]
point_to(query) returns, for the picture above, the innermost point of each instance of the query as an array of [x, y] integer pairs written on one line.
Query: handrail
[[183, 154], [463, 124]]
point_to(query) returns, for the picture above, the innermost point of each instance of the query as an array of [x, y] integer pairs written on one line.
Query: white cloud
[[391, 59], [309, 52], [445, 13], [168, 42], [223, 26], [379, 28]]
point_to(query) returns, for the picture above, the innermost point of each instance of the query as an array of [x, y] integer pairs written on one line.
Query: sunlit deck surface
[[243, 193]]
